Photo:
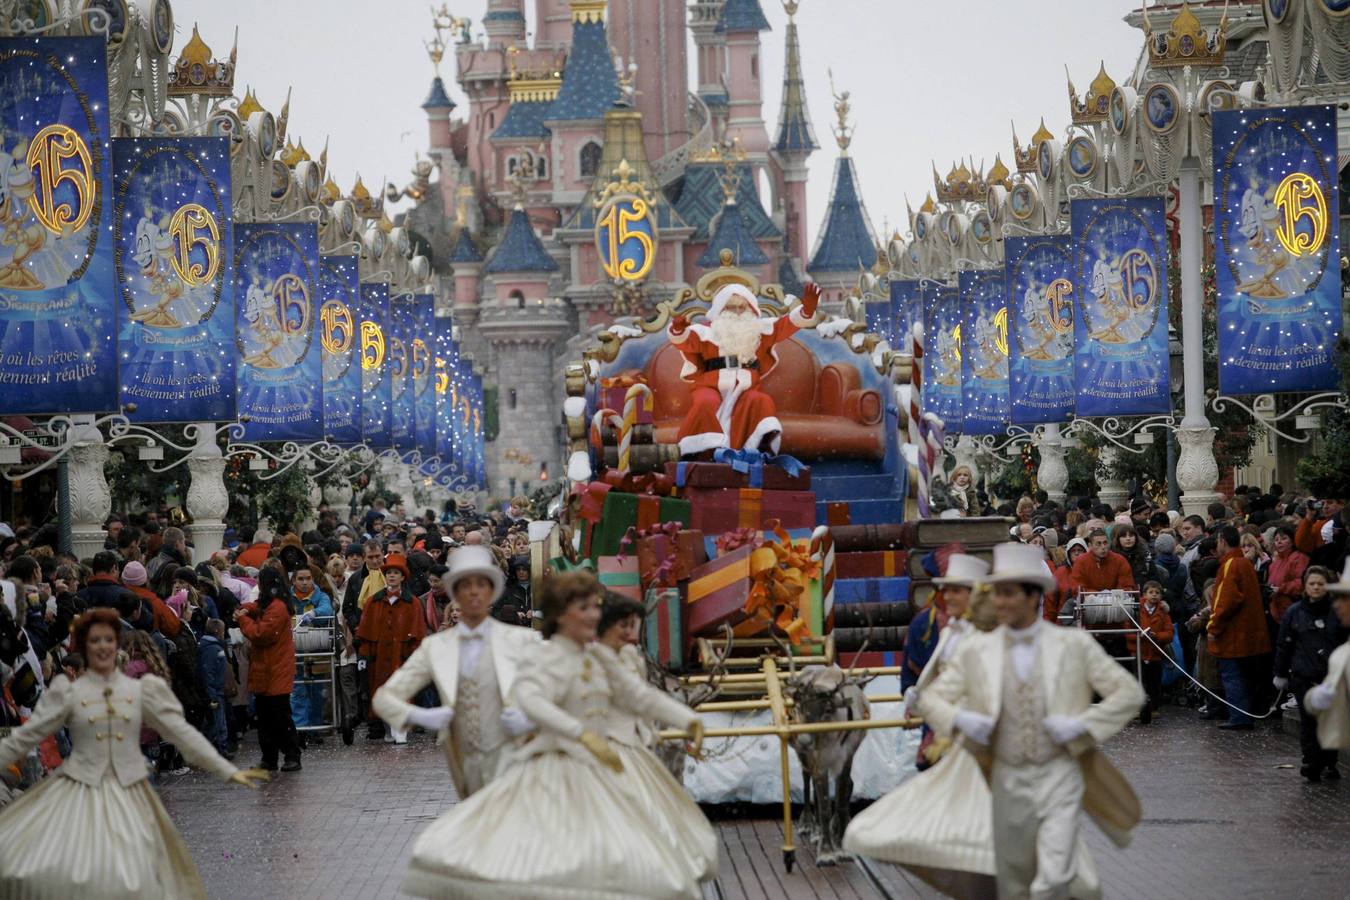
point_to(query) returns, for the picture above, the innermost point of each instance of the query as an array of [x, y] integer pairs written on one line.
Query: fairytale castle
[[507, 202]]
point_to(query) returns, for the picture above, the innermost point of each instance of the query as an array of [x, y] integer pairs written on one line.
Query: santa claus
[[724, 361]]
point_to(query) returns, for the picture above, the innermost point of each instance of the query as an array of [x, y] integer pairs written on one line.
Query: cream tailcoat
[[436, 661], [1074, 666], [1333, 726]]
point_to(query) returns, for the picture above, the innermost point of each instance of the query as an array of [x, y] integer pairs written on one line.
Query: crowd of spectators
[[1236, 597], [286, 633]]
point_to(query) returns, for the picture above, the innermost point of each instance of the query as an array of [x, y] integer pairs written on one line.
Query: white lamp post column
[[90, 500], [207, 500], [1110, 491], [1053, 473], [1197, 470]]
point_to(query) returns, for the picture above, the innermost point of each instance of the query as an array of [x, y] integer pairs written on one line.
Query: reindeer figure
[[826, 694], [672, 753]]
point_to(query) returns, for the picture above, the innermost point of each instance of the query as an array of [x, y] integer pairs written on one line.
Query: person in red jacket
[[392, 626], [166, 620], [1101, 568], [1156, 620], [271, 670], [1238, 637], [1064, 591], [1285, 573]]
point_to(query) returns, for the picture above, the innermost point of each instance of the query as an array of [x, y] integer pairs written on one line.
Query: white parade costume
[[1330, 700], [556, 823], [1036, 687], [95, 828], [669, 806]]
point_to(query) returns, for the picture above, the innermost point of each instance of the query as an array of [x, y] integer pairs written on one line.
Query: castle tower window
[[540, 167], [511, 165], [519, 298], [590, 160], [511, 399]]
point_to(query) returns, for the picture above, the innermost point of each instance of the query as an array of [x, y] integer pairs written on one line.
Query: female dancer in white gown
[[939, 824], [559, 822], [668, 804], [95, 829]]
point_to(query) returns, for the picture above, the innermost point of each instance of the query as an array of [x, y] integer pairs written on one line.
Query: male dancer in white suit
[[473, 666], [1022, 694], [1330, 700]]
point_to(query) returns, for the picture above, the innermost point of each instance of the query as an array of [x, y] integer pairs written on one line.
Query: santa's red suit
[[728, 409]]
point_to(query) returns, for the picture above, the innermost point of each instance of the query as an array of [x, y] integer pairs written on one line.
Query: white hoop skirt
[[65, 839], [670, 808], [551, 826], [939, 825]]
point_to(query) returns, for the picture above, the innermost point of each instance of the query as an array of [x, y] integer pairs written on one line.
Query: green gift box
[[621, 512], [663, 627]]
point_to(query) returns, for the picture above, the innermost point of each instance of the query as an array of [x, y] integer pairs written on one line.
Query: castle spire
[[795, 134]]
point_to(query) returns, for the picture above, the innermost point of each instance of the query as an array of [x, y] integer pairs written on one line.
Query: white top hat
[[963, 570], [1023, 563], [1342, 586], [474, 559]]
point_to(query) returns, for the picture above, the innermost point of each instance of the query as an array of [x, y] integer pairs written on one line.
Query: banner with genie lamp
[[1120, 332], [1040, 325], [443, 379], [377, 419], [984, 352], [280, 373], [422, 366], [340, 337], [906, 309], [1277, 249], [400, 369], [942, 353], [58, 317], [172, 234]]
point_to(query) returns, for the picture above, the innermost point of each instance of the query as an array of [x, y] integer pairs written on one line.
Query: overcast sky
[[929, 81]]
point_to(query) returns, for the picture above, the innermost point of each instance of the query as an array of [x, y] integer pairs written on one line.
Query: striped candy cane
[[917, 424], [602, 418], [637, 393]]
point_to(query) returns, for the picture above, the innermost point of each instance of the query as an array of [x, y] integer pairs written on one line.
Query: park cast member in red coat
[[725, 361], [393, 624]]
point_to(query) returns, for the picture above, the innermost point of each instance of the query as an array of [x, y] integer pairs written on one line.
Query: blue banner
[[1040, 323], [906, 309], [942, 353], [377, 423], [340, 337], [172, 234], [478, 448], [1120, 332], [400, 370], [984, 352], [1277, 249], [58, 322], [423, 371], [445, 359], [879, 318]]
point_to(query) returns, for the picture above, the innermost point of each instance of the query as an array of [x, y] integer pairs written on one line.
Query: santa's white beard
[[737, 334]]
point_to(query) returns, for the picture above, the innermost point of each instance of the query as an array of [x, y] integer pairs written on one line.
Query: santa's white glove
[[438, 718], [515, 722], [1280, 683], [1319, 699], [976, 726], [1064, 729]]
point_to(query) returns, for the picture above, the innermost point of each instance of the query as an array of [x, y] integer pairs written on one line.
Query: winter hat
[[133, 573], [1050, 536], [1076, 542], [185, 574], [1124, 519], [396, 561], [1164, 545]]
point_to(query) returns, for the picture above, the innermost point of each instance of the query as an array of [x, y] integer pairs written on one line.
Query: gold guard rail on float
[[774, 700]]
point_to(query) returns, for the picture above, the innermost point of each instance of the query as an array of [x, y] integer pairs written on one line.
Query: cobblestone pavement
[[1225, 815]]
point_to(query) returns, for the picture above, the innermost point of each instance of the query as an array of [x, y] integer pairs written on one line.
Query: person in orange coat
[[1238, 636], [1101, 568], [1156, 619], [266, 623], [392, 626], [1064, 591], [1315, 527]]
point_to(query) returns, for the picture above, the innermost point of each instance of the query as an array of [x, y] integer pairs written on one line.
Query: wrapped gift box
[[620, 575], [873, 564], [871, 590], [663, 628], [871, 659], [718, 590], [613, 396], [687, 550], [721, 475], [622, 511], [715, 510]]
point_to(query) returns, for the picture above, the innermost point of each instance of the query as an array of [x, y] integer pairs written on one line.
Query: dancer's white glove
[[438, 718], [976, 726], [515, 722], [1319, 699], [1064, 729]]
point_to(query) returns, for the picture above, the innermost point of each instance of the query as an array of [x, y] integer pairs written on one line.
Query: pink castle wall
[[653, 33]]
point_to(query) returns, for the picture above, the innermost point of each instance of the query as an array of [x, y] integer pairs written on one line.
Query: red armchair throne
[[825, 411]]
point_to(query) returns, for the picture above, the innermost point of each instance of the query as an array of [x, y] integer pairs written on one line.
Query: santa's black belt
[[729, 362]]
